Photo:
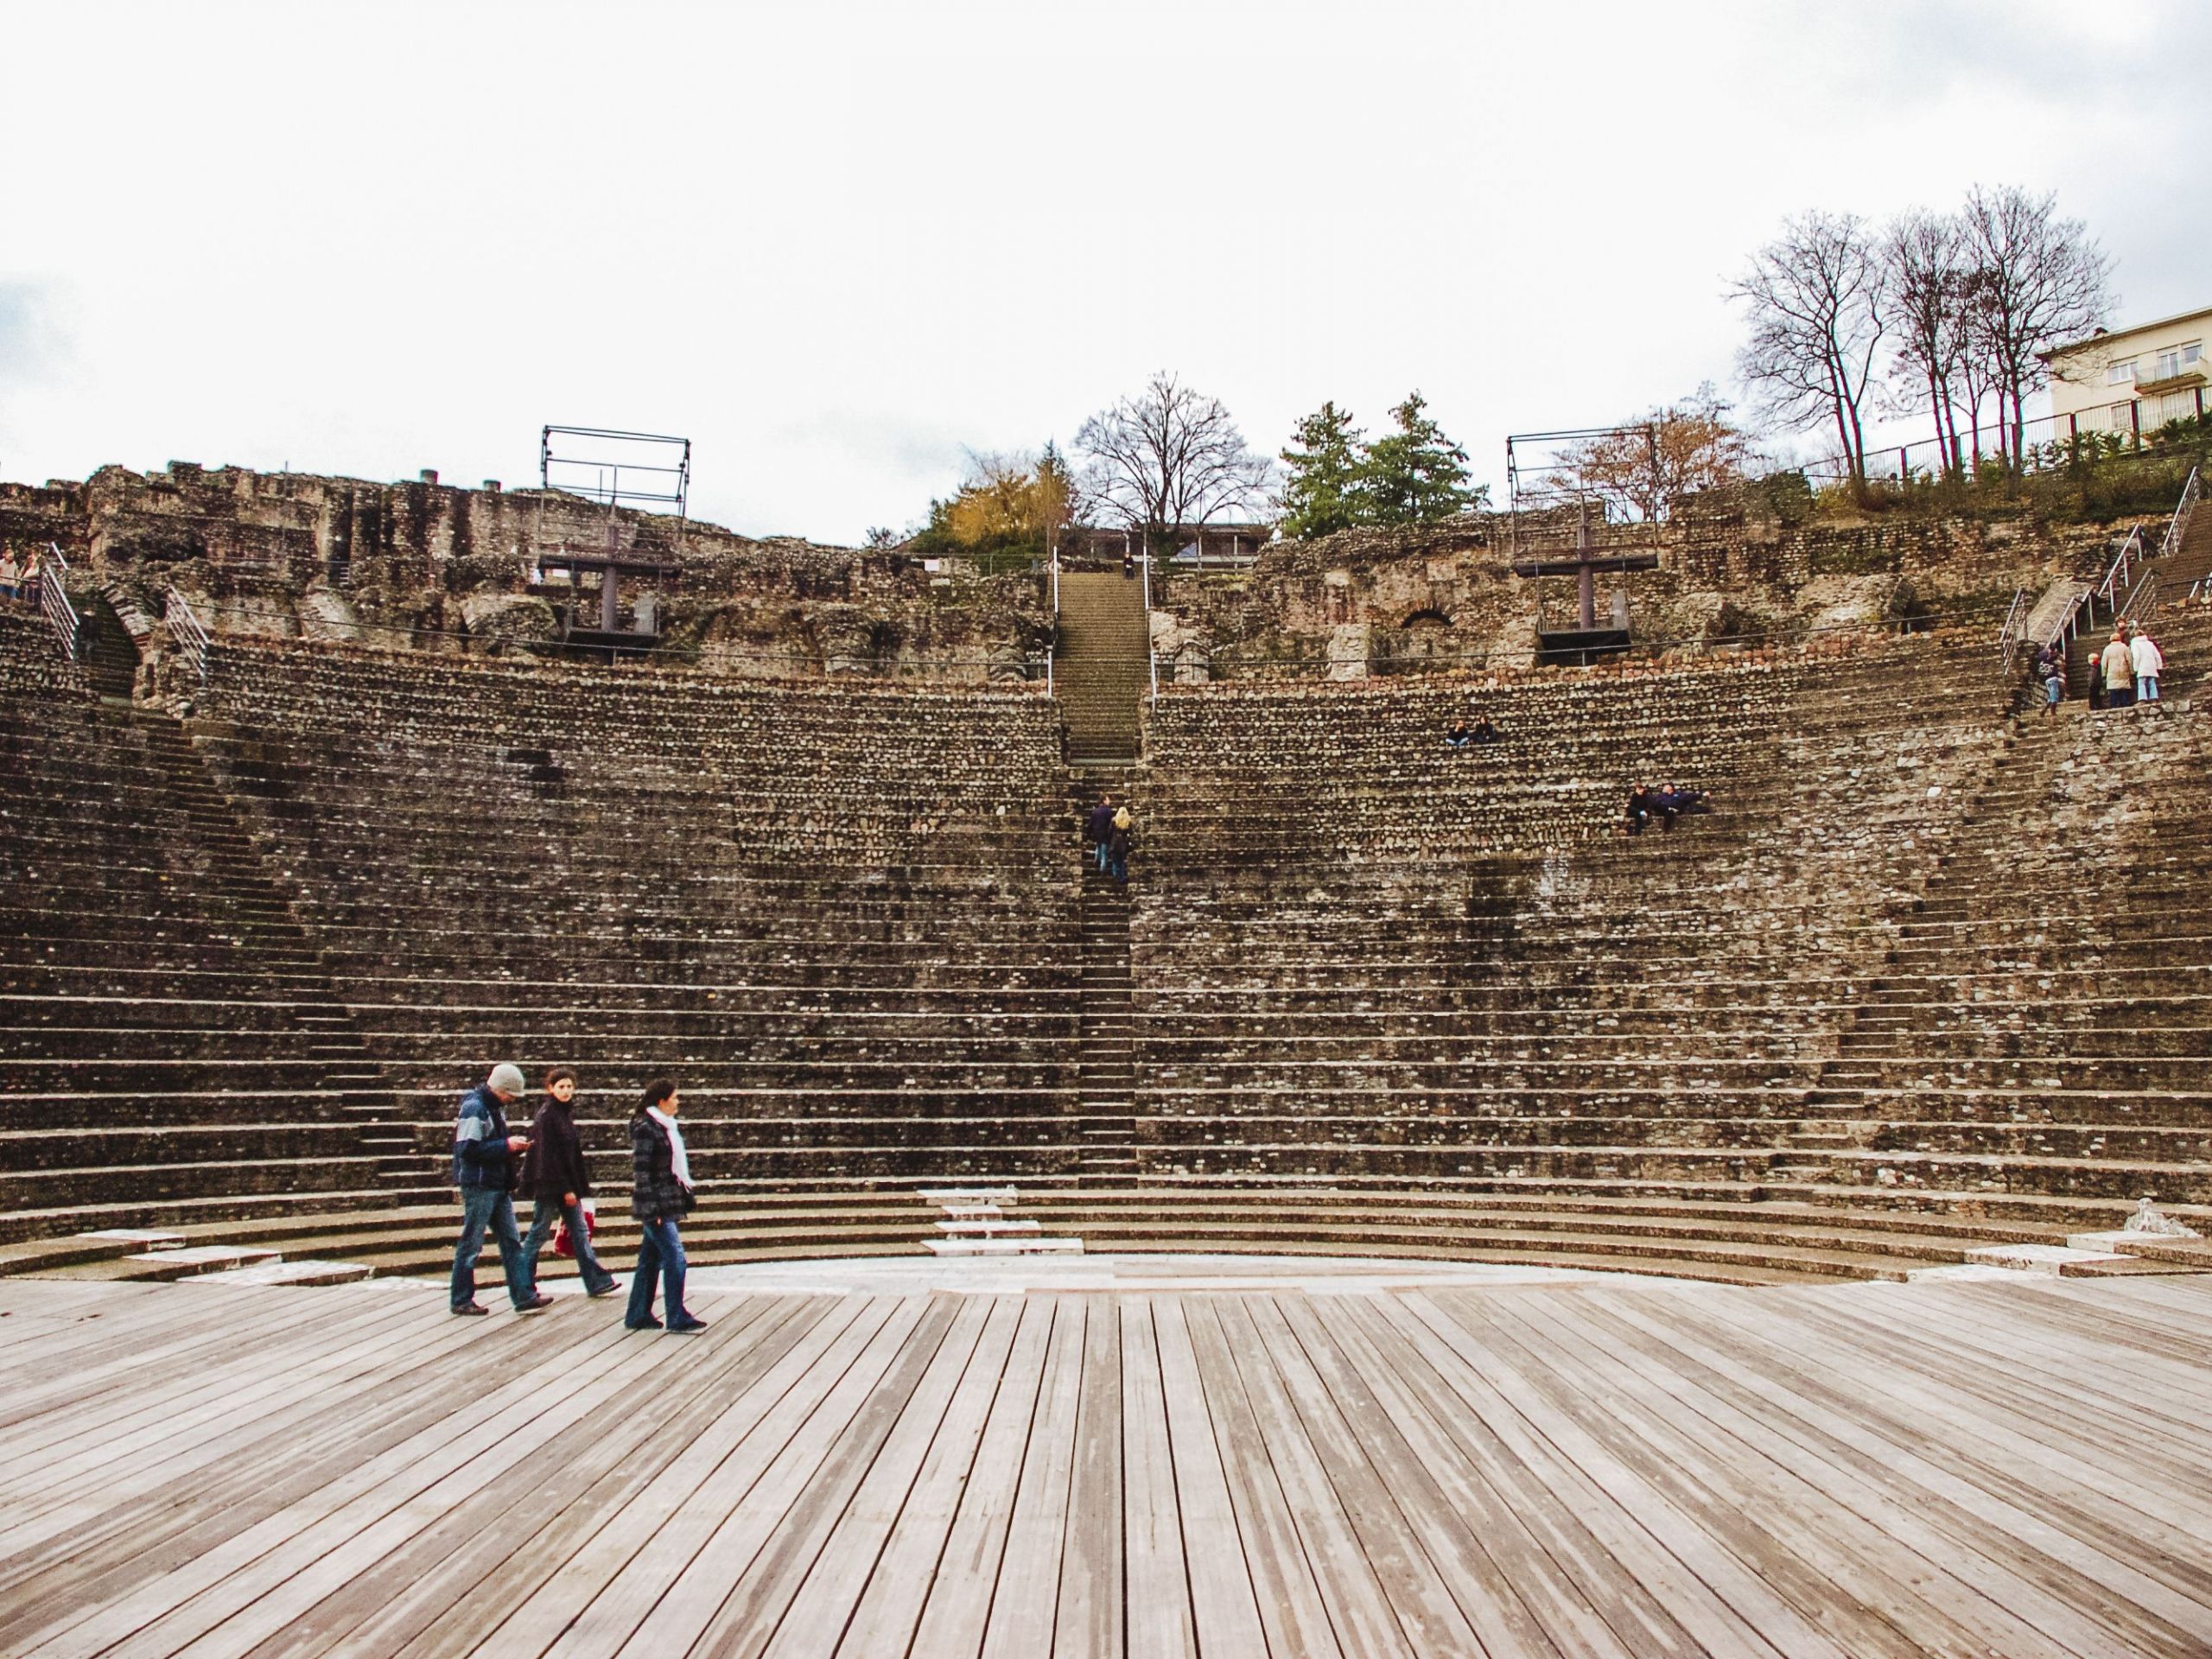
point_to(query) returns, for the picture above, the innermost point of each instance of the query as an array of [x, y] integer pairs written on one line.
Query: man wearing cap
[[484, 1169]]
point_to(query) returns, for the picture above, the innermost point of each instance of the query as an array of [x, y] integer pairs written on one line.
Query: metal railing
[[2016, 619], [2046, 439], [2184, 510], [1151, 657], [186, 632], [53, 600]]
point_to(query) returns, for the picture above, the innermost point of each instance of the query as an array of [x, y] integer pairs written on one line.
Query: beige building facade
[[2131, 380]]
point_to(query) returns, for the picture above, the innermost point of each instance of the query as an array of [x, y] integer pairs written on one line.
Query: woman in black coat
[[554, 1179], [660, 1196]]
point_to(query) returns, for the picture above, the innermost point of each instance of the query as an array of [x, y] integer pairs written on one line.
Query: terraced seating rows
[[844, 920]]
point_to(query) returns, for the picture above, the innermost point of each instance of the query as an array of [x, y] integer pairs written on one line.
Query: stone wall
[[1730, 568], [429, 566]]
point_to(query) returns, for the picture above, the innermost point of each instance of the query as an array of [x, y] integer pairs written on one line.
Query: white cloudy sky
[[836, 243]]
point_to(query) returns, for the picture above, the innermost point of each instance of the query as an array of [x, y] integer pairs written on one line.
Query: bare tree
[[2038, 281], [1640, 470], [1170, 455], [1816, 298], [1927, 279]]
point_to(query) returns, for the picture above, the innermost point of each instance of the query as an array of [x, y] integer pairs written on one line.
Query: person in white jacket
[[2150, 662]]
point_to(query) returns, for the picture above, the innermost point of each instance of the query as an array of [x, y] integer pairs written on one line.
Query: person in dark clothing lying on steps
[[484, 1169], [554, 1179], [660, 1196]]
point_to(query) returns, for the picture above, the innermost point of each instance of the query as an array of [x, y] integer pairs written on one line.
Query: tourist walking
[[2119, 664], [660, 1196], [2050, 673], [554, 1179], [10, 575], [1118, 838], [1099, 827], [2149, 662], [483, 1168]]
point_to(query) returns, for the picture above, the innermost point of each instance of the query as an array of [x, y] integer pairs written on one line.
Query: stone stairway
[[1106, 1079], [1102, 665], [260, 919], [104, 653], [1881, 1026]]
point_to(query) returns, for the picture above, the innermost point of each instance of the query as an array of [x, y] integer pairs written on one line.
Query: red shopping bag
[[565, 1245]]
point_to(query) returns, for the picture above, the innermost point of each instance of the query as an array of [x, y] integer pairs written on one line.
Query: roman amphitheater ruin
[[1412, 1216]]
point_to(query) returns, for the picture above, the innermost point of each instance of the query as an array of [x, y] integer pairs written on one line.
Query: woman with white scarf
[[660, 1196]]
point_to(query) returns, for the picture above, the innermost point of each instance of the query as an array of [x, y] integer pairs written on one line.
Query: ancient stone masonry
[[1920, 982], [1730, 568], [429, 566]]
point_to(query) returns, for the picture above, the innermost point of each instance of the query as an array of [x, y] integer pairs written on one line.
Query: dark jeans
[[483, 1206], [543, 1215], [660, 1254], [2119, 696]]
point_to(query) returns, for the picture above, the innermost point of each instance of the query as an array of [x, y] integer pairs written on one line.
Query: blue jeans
[[2146, 688], [543, 1215], [660, 1254], [482, 1206], [1102, 858]]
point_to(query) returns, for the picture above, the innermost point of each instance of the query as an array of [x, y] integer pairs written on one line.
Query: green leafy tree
[[1414, 475], [1322, 491]]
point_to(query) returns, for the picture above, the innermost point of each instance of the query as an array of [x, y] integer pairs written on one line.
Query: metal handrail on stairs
[[2184, 510], [185, 629], [1151, 657], [54, 600], [2008, 637]]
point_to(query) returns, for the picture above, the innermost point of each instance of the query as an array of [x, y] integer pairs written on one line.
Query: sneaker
[[641, 1324], [606, 1289], [540, 1300], [471, 1307], [685, 1326]]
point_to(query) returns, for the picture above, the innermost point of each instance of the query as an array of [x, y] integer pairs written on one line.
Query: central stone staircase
[[1102, 665]]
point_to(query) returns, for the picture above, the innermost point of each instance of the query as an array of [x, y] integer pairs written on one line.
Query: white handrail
[[185, 629], [54, 600], [2177, 527]]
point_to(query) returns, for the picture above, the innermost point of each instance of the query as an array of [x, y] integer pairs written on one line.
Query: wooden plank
[[1224, 1615], [115, 1542], [1025, 1601], [1574, 1582], [957, 1607], [1838, 1574], [1359, 1606], [1410, 1478], [1429, 1618], [890, 1607], [466, 1571], [674, 1538], [797, 1498], [831, 1331], [1630, 1483], [1646, 1565], [1291, 1608], [2135, 1589], [1159, 1622], [1089, 1624], [1982, 1590], [196, 1596], [802, 1589]]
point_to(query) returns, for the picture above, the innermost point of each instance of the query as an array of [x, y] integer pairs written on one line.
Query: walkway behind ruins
[[1278, 1461]]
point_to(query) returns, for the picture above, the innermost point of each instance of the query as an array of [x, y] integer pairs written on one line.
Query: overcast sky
[[836, 244]]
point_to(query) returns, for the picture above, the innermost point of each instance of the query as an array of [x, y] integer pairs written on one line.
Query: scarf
[[680, 1164]]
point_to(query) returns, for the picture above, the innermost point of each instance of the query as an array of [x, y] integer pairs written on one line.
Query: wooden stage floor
[[1617, 1467]]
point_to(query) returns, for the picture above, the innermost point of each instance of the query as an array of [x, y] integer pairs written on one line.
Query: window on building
[[2121, 374], [2181, 359]]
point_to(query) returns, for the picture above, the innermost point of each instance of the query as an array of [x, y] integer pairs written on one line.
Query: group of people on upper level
[[19, 578], [1111, 830], [1460, 735], [1663, 802], [492, 1166], [2127, 672]]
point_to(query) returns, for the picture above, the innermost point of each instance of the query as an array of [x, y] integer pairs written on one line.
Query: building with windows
[[2130, 380]]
